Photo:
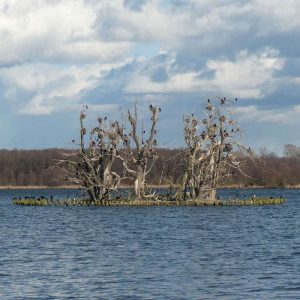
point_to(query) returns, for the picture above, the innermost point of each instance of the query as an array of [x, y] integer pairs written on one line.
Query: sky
[[56, 56]]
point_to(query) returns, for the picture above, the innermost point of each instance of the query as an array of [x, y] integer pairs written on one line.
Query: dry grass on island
[[254, 201]]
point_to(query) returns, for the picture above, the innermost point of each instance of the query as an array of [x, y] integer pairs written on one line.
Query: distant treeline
[[35, 167], [29, 167]]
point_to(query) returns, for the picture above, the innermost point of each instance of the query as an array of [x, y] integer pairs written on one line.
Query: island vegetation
[[111, 155], [211, 154]]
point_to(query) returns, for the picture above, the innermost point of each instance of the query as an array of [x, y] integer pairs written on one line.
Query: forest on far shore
[[35, 167]]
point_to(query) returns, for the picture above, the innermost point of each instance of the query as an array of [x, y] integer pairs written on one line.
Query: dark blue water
[[150, 252]]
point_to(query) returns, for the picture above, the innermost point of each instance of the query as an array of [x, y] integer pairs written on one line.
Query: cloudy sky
[[56, 55]]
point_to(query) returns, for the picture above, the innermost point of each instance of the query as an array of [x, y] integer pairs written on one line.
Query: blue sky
[[56, 56]]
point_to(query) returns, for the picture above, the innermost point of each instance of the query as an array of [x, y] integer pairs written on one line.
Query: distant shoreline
[[66, 187], [37, 187]]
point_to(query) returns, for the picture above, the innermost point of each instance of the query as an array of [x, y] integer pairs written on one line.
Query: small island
[[212, 154]]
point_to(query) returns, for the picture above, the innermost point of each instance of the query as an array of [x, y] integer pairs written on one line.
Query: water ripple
[[151, 252]]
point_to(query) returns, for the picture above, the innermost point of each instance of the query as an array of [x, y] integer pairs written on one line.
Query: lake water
[[150, 252]]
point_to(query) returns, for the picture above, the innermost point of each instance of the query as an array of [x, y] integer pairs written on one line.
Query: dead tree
[[90, 167], [139, 155], [212, 151]]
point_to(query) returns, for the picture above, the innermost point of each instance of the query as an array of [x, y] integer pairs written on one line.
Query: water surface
[[150, 252]]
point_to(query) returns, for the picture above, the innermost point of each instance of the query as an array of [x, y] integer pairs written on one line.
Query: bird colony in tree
[[212, 153]]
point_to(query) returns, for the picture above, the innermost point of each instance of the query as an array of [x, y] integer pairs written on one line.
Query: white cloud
[[277, 15], [56, 51], [184, 82], [53, 30], [248, 76], [102, 30], [36, 106], [252, 113], [52, 88], [206, 22]]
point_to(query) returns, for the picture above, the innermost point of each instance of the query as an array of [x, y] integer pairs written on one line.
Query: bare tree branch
[[90, 166], [139, 161], [210, 153]]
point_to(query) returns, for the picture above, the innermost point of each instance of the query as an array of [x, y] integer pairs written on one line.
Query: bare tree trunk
[[213, 195], [212, 167], [139, 182]]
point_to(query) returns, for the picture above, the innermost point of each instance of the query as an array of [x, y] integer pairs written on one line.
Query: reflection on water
[[150, 252]]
